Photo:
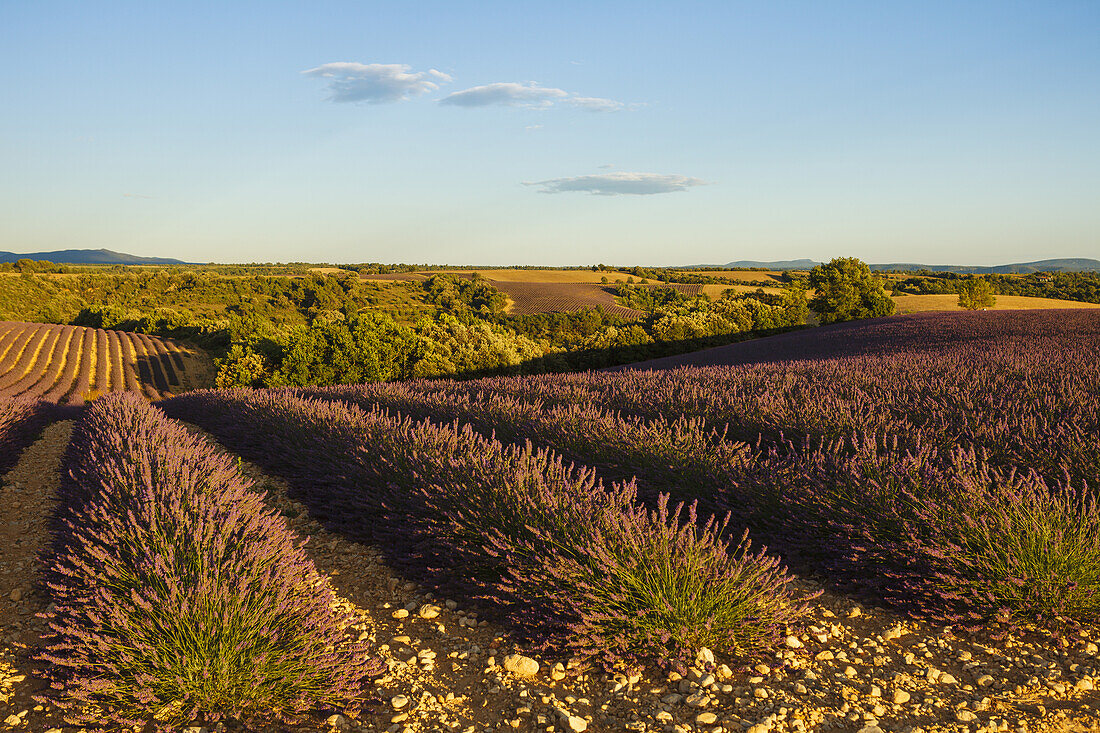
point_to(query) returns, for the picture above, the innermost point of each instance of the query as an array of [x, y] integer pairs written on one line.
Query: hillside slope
[[885, 335]]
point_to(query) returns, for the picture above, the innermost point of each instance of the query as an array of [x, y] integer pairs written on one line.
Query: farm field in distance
[[72, 364]]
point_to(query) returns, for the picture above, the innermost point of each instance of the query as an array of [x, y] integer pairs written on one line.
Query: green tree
[[976, 293], [847, 290]]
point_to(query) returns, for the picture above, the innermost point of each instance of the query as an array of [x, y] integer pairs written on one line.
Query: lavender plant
[[566, 557], [177, 594]]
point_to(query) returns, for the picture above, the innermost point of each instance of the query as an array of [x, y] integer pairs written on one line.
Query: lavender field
[[942, 467]]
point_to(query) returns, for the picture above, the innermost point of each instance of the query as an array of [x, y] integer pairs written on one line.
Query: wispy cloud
[[136, 196], [528, 94], [596, 104], [616, 184], [507, 93], [376, 83]]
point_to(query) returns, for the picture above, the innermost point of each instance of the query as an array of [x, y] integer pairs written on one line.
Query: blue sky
[[552, 133]]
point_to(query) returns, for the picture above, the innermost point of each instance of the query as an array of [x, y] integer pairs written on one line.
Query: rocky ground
[[854, 669]]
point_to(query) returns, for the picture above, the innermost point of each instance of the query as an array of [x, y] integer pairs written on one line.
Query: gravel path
[[857, 668]]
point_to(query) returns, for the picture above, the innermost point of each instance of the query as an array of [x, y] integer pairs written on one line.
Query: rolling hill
[[88, 257], [1069, 264]]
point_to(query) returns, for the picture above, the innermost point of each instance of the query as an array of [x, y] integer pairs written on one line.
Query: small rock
[[338, 721], [706, 718], [901, 697], [856, 612], [895, 632], [1085, 684], [672, 698], [985, 681], [948, 679], [16, 595], [191, 729], [399, 701], [429, 611], [400, 613], [697, 700], [965, 716], [793, 642], [706, 656], [872, 728], [521, 665], [760, 693], [577, 724]]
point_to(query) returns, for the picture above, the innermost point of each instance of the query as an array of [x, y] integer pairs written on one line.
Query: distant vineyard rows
[[68, 364]]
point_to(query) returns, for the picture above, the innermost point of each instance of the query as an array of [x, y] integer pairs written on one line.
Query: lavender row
[[872, 515], [681, 457], [576, 564], [178, 596], [1029, 397]]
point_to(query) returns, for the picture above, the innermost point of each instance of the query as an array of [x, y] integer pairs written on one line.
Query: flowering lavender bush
[[578, 563], [177, 594]]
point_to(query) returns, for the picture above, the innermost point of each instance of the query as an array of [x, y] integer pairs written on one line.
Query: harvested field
[[745, 275], [715, 291], [509, 275], [394, 276], [931, 303], [527, 298], [67, 364]]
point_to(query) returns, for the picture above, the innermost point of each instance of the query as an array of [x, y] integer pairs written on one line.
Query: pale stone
[[521, 665]]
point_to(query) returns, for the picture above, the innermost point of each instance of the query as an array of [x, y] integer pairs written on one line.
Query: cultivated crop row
[[177, 594], [952, 481], [67, 364], [579, 564], [1022, 390]]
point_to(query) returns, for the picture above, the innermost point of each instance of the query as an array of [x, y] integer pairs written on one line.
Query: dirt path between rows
[[27, 500]]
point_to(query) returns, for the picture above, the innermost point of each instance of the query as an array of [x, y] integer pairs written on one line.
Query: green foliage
[[847, 290], [449, 346], [368, 348], [650, 299], [458, 295], [976, 293]]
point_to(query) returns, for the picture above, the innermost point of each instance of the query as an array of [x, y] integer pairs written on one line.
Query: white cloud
[[596, 104], [615, 184], [508, 93], [376, 83]]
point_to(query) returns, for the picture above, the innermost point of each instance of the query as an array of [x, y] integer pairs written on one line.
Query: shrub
[[1014, 547], [178, 595]]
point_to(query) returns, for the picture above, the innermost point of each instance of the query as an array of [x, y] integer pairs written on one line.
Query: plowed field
[[556, 297], [70, 364]]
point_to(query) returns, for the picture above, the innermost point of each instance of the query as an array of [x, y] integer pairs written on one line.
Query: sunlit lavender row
[[579, 564], [177, 594]]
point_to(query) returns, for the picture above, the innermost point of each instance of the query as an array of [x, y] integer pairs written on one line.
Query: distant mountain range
[[1074, 264], [88, 257]]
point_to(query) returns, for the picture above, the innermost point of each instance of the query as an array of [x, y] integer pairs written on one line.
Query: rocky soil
[[854, 669]]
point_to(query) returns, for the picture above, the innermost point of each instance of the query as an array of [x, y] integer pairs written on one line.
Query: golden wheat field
[[931, 303]]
